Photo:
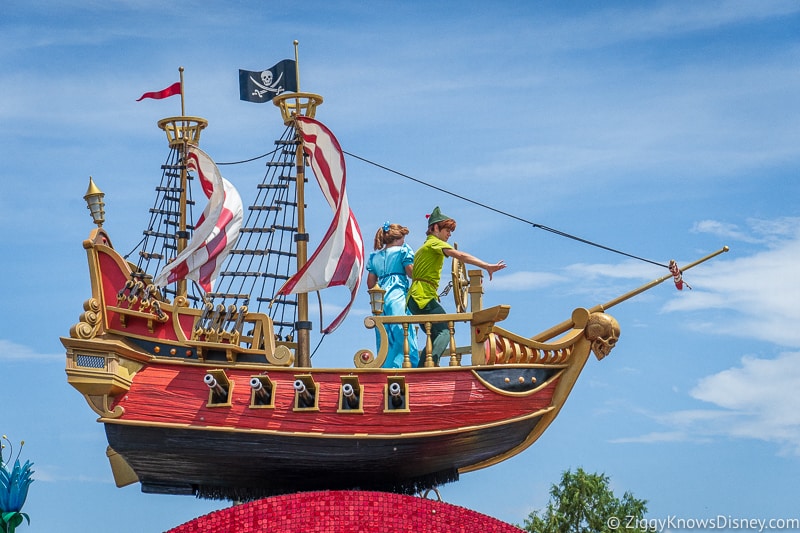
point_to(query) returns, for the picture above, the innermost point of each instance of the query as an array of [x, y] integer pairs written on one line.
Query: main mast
[[293, 105]]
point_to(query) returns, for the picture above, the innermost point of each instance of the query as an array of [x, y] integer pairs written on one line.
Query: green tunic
[[428, 263]]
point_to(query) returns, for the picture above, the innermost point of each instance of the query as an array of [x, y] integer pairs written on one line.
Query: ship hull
[[177, 440], [242, 466], [180, 403]]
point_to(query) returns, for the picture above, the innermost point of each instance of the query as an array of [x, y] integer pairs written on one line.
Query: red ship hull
[[454, 419]]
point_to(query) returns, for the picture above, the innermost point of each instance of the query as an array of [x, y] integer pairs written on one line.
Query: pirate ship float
[[211, 392]]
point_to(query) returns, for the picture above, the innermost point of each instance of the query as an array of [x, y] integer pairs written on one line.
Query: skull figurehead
[[603, 332]]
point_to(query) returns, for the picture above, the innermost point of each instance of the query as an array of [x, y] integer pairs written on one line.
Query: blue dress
[[389, 265]]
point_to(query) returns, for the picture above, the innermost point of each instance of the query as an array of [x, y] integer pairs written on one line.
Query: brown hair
[[389, 233], [444, 224]]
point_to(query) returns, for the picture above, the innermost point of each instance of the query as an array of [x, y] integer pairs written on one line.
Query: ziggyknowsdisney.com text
[[674, 522]]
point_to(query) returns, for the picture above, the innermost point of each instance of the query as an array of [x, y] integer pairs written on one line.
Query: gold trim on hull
[[99, 374], [122, 471]]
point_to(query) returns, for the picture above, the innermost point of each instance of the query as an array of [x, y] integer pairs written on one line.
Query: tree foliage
[[584, 503]]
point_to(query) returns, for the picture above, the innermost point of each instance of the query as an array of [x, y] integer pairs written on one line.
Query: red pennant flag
[[172, 90]]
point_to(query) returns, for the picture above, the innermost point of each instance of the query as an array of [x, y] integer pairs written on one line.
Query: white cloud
[[759, 293], [10, 351], [55, 474], [656, 437], [761, 290], [757, 400], [722, 229], [625, 270], [523, 281], [670, 19], [760, 231]]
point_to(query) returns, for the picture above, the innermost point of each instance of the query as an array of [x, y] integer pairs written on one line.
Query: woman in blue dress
[[390, 267]]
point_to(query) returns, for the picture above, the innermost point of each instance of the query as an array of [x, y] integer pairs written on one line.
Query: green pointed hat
[[436, 216]]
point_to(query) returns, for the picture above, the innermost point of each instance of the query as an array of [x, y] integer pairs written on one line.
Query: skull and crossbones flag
[[262, 86]]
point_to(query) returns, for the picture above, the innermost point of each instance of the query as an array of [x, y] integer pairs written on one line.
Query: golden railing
[[489, 343]]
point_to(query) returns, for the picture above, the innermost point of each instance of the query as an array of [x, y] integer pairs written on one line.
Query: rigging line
[[135, 247], [322, 338], [509, 215], [319, 302], [248, 160]]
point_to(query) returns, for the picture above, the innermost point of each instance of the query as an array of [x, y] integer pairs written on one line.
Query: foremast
[[182, 131], [293, 105], [171, 220]]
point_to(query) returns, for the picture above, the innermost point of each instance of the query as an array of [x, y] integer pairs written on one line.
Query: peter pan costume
[[423, 295]]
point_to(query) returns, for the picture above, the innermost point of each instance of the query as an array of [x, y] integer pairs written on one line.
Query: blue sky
[[663, 129]]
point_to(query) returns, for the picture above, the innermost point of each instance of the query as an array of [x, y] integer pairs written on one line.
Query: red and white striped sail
[[339, 259], [215, 232]]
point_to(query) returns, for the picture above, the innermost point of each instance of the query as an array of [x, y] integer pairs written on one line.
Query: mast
[[181, 131], [291, 106]]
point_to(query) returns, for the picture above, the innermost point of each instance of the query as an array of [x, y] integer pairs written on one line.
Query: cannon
[[220, 393], [350, 396], [262, 393], [396, 395], [304, 396]]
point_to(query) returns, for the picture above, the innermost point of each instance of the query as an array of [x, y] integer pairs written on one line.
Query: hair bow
[[386, 226]]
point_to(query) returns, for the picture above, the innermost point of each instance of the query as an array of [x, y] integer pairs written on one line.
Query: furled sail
[[215, 232], [339, 259]]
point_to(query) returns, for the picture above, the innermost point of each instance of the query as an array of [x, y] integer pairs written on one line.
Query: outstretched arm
[[469, 259]]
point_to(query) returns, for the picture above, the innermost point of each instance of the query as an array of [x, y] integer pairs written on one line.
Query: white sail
[[216, 231]]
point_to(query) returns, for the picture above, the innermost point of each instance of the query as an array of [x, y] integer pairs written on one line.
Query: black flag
[[262, 86]]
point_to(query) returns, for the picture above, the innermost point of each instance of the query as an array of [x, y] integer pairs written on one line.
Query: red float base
[[343, 511]]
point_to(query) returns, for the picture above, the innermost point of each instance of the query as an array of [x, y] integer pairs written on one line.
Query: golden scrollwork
[[101, 404], [503, 350], [89, 321], [364, 358], [282, 356]]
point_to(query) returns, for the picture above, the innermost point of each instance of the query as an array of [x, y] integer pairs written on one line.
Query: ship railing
[[248, 335], [489, 343], [366, 359]]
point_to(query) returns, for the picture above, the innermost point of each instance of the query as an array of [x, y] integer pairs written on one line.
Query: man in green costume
[[423, 297]]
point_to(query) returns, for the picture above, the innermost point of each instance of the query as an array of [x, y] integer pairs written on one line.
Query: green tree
[[584, 503]]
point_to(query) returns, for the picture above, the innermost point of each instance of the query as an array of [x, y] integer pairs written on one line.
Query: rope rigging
[[506, 214], [244, 269], [484, 206], [256, 158]]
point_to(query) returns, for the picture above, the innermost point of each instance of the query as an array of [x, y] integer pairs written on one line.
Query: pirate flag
[[262, 86]]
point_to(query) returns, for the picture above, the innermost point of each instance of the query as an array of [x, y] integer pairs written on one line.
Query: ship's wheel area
[[460, 283]]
